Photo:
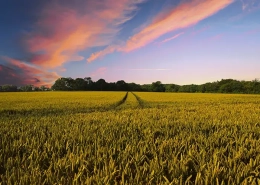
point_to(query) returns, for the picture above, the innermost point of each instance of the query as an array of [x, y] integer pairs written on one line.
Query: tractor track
[[139, 100], [121, 102], [48, 112], [141, 103]]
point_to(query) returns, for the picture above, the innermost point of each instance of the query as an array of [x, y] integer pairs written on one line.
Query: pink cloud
[[254, 31], [29, 74], [171, 38], [100, 71], [62, 31], [184, 15], [100, 54], [216, 37], [146, 69], [62, 69]]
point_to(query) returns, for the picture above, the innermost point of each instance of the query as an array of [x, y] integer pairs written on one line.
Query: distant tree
[[172, 88], [37, 89], [89, 83], [62, 84], [27, 88], [225, 88], [146, 87], [9, 88], [80, 84], [70, 83], [88, 80], [111, 86], [184, 88], [256, 86], [42, 88], [231, 86], [193, 88], [134, 87], [100, 84], [224, 81], [202, 88], [157, 87], [211, 87], [121, 85]]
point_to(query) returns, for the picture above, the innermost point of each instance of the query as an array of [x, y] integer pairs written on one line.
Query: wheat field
[[129, 138]]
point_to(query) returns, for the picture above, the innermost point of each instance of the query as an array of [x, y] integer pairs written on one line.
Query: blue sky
[[141, 41]]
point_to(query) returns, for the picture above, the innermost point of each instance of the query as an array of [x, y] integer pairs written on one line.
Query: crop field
[[129, 138]]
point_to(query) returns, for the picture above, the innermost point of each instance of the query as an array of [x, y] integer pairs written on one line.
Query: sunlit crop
[[126, 138]]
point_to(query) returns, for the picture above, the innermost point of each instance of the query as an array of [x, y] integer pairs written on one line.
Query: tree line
[[87, 84]]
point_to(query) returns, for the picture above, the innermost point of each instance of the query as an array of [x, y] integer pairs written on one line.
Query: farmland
[[129, 138]]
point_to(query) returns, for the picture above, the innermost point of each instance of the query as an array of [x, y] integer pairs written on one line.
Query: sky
[[141, 41]]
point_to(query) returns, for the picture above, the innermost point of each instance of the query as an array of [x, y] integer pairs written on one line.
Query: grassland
[[129, 138]]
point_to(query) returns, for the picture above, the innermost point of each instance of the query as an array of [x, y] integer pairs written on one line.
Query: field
[[129, 138]]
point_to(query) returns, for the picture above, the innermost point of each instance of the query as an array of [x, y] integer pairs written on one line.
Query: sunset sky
[[141, 41]]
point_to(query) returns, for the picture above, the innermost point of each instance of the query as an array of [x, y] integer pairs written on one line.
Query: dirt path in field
[[139, 100], [120, 102], [46, 112], [130, 101]]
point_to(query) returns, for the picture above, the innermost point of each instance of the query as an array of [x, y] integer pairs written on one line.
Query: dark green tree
[[157, 87], [63, 84], [100, 85], [27, 88], [9, 88], [80, 84], [121, 85], [172, 88]]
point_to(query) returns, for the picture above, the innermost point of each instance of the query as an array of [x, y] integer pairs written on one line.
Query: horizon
[[141, 41], [257, 79]]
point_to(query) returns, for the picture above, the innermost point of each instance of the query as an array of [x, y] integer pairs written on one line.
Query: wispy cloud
[[100, 54], [254, 31], [145, 69], [216, 37], [171, 38], [99, 72], [63, 31], [250, 5], [184, 15]]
